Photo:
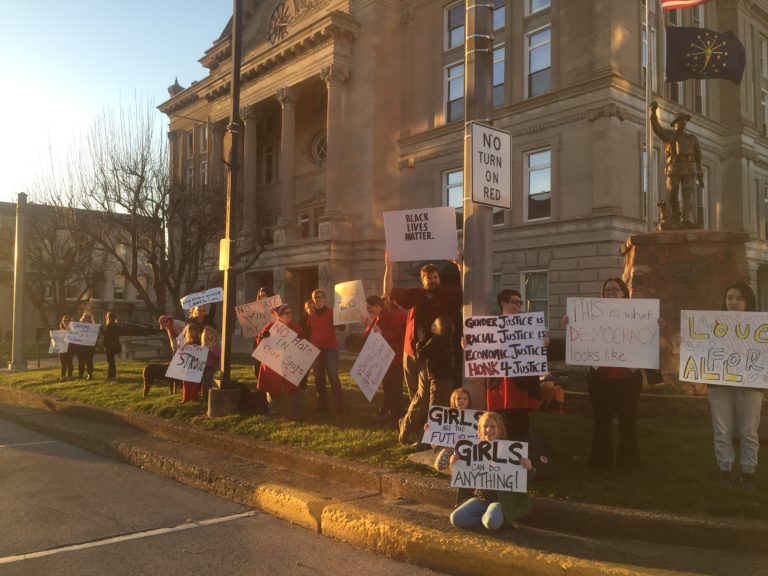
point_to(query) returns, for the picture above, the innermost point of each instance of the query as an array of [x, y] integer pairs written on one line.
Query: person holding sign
[[461, 399], [390, 322], [323, 335], [67, 366], [735, 410], [85, 353], [491, 508], [191, 390], [112, 346]]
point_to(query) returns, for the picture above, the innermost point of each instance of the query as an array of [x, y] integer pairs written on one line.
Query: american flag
[[674, 4]]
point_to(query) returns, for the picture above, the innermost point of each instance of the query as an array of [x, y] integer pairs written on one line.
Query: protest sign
[[372, 364], [200, 298], [349, 303], [188, 363], [490, 465], [618, 332], [57, 344], [83, 333], [253, 316], [286, 353], [425, 234], [497, 346], [724, 348], [446, 426]]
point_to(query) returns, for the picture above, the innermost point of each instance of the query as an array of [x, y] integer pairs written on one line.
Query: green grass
[[679, 475]]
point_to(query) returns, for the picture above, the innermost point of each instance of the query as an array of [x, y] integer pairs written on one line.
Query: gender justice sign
[[425, 234], [446, 426], [490, 465], [617, 332], [724, 348], [498, 346]]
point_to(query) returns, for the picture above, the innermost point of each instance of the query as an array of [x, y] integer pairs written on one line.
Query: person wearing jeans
[[322, 333]]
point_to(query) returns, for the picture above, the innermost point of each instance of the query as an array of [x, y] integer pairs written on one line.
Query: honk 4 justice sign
[[724, 348], [490, 465]]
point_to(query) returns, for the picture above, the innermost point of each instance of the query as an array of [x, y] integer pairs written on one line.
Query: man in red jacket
[[322, 333]]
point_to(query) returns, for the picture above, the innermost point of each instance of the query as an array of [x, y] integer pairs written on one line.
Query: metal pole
[[478, 224], [17, 348], [648, 130], [234, 128]]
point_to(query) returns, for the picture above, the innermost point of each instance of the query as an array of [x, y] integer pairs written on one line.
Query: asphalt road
[[67, 511]]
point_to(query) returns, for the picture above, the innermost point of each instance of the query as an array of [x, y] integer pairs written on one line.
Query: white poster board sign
[[425, 234], [618, 332], [83, 333], [491, 166], [349, 303], [253, 316], [188, 363], [724, 348], [286, 353], [446, 426], [497, 346], [200, 298], [57, 344], [490, 465], [372, 364]]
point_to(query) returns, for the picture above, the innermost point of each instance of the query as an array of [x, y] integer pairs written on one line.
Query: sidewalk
[[399, 514]]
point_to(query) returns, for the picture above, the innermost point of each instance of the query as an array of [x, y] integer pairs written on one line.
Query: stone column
[[17, 362], [334, 77], [250, 115], [287, 228]]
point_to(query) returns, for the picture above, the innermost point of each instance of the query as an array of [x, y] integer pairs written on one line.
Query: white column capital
[[286, 97], [250, 113], [334, 75]]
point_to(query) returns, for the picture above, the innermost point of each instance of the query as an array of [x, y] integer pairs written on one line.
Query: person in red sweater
[[323, 335]]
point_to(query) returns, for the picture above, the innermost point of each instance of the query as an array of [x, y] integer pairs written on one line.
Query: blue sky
[[65, 61]]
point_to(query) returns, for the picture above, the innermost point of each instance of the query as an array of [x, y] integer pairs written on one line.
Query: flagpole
[[648, 129]]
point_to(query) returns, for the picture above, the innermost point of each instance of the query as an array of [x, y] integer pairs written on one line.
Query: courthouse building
[[355, 107]]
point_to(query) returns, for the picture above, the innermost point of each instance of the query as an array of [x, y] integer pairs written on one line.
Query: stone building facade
[[355, 107]]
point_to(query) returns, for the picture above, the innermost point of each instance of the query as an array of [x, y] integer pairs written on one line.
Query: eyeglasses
[[515, 301]]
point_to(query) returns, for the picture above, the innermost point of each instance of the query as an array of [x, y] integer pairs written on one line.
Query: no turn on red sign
[[491, 170]]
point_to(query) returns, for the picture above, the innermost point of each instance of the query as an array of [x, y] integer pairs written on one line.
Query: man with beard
[[424, 305]]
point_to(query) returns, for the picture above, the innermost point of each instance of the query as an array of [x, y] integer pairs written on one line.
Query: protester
[[190, 391], [735, 410], [390, 323], [203, 315], [262, 294], [491, 508], [270, 381], [112, 346], [210, 340], [323, 335], [424, 305], [65, 358], [461, 399], [85, 353]]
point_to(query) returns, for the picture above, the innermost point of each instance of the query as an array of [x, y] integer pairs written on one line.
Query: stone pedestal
[[223, 402], [686, 270]]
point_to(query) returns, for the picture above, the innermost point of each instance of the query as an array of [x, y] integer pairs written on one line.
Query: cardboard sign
[[425, 234], [57, 344], [83, 333], [253, 316], [199, 298], [286, 353], [619, 332], [446, 426], [724, 348], [497, 346], [349, 303], [490, 465], [372, 364], [188, 363]]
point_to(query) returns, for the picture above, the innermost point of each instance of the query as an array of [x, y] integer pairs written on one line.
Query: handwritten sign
[[83, 333], [426, 234], [200, 298], [496, 346], [349, 303], [188, 363], [372, 364], [724, 348], [286, 353], [57, 344], [615, 332], [253, 316], [446, 426], [490, 465]]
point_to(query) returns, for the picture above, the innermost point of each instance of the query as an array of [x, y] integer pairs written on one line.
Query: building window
[[764, 108], [454, 90], [204, 173], [537, 5], [118, 287], [698, 16], [499, 14], [644, 57], [763, 56], [673, 17], [319, 212], [204, 138], [535, 290], [190, 174], [190, 144], [268, 161], [676, 92], [539, 46], [454, 33], [47, 291], [304, 224], [498, 76], [655, 176], [538, 184], [318, 148], [700, 97], [71, 291], [453, 194], [97, 289]]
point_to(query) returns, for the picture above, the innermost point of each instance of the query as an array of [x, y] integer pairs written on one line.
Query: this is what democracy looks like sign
[[83, 333], [497, 346], [724, 348], [200, 298], [616, 332], [286, 353], [446, 426], [426, 234], [490, 465]]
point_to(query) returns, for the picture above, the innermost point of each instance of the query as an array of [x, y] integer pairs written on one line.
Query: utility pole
[[17, 348], [478, 224]]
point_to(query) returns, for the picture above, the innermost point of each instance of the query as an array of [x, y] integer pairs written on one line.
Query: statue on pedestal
[[682, 169]]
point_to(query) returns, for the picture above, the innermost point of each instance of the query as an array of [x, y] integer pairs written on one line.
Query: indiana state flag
[[703, 54]]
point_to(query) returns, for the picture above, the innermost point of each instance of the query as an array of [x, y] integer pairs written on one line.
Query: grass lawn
[[680, 474]]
